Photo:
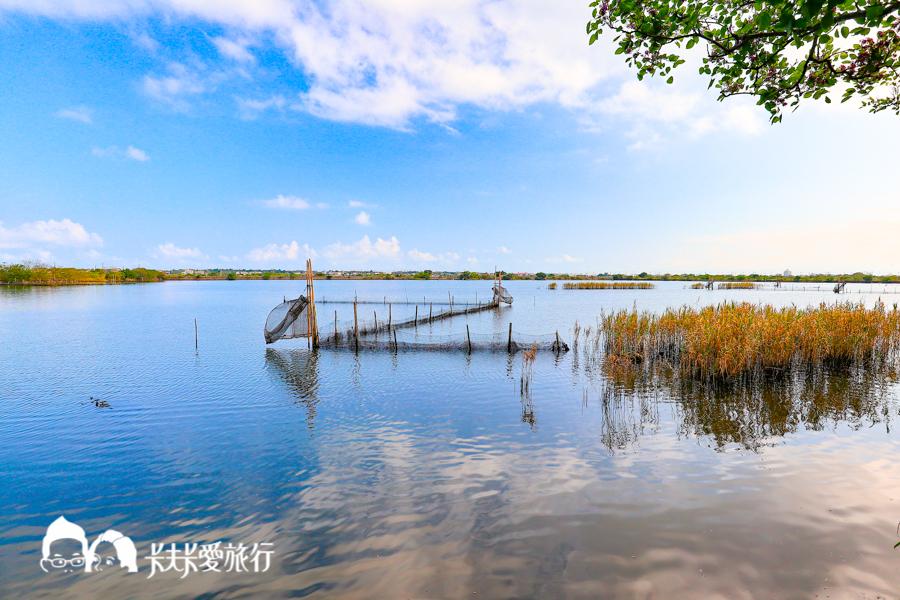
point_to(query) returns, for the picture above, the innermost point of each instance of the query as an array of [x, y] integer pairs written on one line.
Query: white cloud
[[82, 114], [234, 49], [652, 111], [250, 108], [392, 62], [175, 87], [503, 250], [291, 203], [361, 204], [364, 249], [363, 218], [170, 250], [281, 252], [129, 152], [57, 233], [136, 154], [388, 61]]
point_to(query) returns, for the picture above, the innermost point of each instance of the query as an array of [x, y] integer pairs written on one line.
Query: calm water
[[383, 475]]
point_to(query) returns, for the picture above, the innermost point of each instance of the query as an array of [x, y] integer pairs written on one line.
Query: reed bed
[[551, 285], [698, 286], [734, 341], [737, 285], [608, 285]]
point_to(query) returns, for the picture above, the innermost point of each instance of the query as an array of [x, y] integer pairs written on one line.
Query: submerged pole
[[417, 316], [355, 326], [509, 339], [468, 338], [390, 318], [196, 336], [430, 307]]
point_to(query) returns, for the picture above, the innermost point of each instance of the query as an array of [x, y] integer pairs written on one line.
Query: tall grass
[[737, 285], [607, 285], [732, 341], [698, 286], [551, 285]]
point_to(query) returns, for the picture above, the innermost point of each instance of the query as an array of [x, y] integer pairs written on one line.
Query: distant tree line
[[38, 274]]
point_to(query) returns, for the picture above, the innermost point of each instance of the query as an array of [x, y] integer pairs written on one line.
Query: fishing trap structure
[[297, 319]]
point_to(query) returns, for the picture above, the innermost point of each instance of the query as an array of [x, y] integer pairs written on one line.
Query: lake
[[424, 474]]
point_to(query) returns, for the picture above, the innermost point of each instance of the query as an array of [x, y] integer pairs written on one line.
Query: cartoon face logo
[[122, 554], [65, 549]]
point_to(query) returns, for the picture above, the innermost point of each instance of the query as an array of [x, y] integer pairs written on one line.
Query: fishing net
[[464, 342], [288, 320], [501, 294]]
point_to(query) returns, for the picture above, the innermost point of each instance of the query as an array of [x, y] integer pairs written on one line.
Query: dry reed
[[607, 285], [737, 285], [734, 341], [551, 286]]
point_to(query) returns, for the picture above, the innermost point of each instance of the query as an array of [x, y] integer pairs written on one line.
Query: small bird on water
[[100, 403]]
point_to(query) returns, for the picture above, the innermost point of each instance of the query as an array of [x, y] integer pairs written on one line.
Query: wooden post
[[335, 325], [509, 339], [557, 341], [395, 340], [430, 307], [355, 326], [376, 321], [417, 316], [390, 318], [196, 337], [468, 338]]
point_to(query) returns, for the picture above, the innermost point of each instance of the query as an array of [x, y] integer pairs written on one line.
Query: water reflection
[[299, 369], [750, 415]]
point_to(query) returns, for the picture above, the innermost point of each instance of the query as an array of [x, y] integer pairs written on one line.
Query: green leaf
[[873, 11], [670, 79]]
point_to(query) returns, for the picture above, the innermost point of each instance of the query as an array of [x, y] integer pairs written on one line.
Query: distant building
[[787, 273]]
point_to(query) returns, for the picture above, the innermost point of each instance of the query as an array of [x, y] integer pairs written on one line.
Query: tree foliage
[[775, 50]]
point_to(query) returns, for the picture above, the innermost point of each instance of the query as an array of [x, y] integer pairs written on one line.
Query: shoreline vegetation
[[43, 275], [733, 342]]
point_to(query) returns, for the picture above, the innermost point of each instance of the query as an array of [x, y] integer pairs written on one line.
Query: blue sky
[[397, 134]]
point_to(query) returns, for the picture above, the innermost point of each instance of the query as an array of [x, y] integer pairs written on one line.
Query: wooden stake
[[196, 337], [430, 307], [417, 316], [468, 338], [395, 340], [355, 326], [335, 325], [390, 318], [509, 339]]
